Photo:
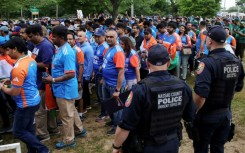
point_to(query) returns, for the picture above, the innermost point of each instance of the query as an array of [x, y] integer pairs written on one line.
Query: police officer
[[154, 108], [218, 77]]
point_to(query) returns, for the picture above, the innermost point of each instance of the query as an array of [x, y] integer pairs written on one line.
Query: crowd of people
[[116, 55]]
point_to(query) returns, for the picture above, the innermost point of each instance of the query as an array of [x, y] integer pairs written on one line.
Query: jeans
[[177, 69], [184, 61], [130, 84], [191, 59], [6, 100], [98, 86], [107, 92], [24, 129]]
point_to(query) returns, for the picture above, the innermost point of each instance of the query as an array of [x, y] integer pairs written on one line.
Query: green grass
[[98, 142]]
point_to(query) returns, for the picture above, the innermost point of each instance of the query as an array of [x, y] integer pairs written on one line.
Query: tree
[[241, 4], [232, 9], [207, 8]]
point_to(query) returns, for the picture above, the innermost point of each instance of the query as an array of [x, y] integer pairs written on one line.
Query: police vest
[[223, 86], [167, 104]]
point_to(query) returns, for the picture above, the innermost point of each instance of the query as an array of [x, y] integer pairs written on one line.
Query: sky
[[228, 3]]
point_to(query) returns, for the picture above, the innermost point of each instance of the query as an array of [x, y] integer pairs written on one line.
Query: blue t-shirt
[[43, 52], [64, 61], [88, 59], [24, 75], [98, 56], [184, 40], [109, 70], [198, 44], [130, 73]]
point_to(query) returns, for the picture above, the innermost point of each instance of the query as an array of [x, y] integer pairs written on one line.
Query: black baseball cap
[[158, 55], [217, 33]]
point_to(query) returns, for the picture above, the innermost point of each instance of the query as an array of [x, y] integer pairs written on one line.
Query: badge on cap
[[129, 99], [200, 68]]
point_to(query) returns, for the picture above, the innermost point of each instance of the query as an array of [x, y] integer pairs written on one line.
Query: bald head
[[111, 37], [81, 37]]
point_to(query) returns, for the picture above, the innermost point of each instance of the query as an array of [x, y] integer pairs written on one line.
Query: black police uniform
[[219, 75], [154, 109]]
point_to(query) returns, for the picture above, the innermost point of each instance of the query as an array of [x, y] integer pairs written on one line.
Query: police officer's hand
[[116, 94]]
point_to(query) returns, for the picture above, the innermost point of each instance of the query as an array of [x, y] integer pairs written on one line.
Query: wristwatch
[[115, 147], [53, 80], [116, 90]]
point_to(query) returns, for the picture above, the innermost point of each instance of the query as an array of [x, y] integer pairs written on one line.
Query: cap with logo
[[99, 32], [158, 55], [217, 33]]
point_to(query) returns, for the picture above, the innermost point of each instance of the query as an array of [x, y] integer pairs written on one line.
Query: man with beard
[[173, 43], [42, 53], [146, 44], [138, 38], [193, 37]]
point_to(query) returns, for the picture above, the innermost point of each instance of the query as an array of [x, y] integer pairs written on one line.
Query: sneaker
[[6, 130], [85, 112], [61, 145], [89, 107], [81, 134], [1, 138], [109, 123], [111, 131], [101, 118], [43, 139]]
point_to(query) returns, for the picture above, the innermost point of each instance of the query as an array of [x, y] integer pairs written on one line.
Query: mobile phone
[[45, 74]]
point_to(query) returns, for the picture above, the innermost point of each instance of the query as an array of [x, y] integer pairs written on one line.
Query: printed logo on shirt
[[169, 99], [35, 51], [129, 99], [230, 70], [98, 52], [109, 54], [200, 68], [16, 79], [16, 65]]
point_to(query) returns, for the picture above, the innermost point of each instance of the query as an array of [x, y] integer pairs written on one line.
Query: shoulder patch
[[200, 68], [129, 99]]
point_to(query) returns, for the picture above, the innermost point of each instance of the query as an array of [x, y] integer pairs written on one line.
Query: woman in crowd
[[132, 73], [186, 49]]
